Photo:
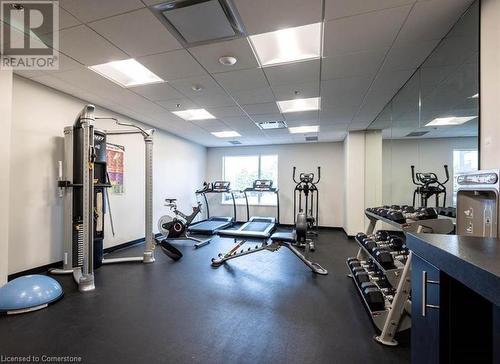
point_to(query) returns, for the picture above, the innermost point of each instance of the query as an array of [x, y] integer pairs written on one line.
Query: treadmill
[[256, 227], [213, 223]]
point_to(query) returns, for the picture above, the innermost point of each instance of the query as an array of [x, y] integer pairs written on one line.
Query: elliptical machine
[[428, 185], [307, 186]]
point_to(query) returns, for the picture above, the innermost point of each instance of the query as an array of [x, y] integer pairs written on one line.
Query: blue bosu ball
[[29, 293]]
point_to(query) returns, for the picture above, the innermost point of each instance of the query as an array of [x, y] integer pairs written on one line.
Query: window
[[463, 161], [241, 171]]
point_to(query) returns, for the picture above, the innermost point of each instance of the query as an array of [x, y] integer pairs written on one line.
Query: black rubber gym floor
[[262, 308]]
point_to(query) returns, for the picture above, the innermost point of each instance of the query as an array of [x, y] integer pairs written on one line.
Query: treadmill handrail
[[210, 189]]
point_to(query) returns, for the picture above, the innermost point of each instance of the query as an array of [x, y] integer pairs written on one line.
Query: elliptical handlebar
[[319, 176], [413, 176], [447, 174], [294, 170]]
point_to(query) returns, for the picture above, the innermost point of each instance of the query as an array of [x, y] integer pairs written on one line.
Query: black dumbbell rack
[[396, 315]]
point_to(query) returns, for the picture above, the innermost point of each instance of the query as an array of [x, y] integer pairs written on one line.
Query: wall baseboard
[[45, 268]]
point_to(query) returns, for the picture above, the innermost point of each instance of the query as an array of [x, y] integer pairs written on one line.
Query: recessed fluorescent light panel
[[296, 105], [304, 129], [226, 134], [126, 73], [452, 120], [288, 45], [272, 125], [194, 114]]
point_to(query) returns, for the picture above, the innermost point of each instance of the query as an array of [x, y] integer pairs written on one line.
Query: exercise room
[[250, 181]]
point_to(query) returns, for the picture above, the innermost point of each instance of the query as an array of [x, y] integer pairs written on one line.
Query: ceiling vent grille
[[234, 142], [196, 22], [271, 125], [311, 138], [416, 134]]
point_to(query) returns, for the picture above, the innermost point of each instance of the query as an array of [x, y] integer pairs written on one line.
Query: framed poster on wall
[[115, 158]]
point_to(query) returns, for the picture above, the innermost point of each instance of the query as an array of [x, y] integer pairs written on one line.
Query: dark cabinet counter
[[455, 299]]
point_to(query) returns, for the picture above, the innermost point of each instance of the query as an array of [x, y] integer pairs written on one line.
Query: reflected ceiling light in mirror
[[296, 105], [474, 96], [304, 129], [126, 73], [288, 45], [226, 134], [449, 121], [194, 114]]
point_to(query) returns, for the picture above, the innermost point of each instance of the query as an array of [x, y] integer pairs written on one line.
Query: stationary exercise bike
[[307, 186], [176, 228], [428, 185]]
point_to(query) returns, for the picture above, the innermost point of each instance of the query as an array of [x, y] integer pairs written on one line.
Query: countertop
[[473, 261]]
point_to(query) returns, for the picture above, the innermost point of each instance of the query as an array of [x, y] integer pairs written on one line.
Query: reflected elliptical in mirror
[[433, 120]]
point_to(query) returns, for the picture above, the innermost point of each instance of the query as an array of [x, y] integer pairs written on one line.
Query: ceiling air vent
[[234, 142], [311, 138], [270, 125], [416, 134], [195, 22]]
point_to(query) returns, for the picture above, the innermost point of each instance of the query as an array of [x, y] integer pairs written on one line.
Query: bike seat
[[170, 200]]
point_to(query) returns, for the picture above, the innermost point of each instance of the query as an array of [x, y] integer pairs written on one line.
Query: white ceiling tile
[[88, 47], [364, 32], [364, 63], [211, 125], [221, 112], [90, 10], [207, 84], [291, 91], [265, 108], [57, 84], [431, 19], [267, 117], [213, 99], [341, 114], [242, 80], [291, 73], [312, 117], [344, 91], [183, 103], [208, 55], [391, 80], [157, 92], [173, 65], [409, 55], [260, 16], [66, 20], [343, 8], [254, 96], [90, 81], [138, 33]]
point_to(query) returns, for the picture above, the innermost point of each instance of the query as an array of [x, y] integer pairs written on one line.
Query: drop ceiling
[[370, 49]]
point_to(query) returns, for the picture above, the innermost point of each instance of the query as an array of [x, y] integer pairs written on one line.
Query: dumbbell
[[353, 263], [360, 236], [374, 298], [361, 276], [397, 216], [394, 242], [383, 257]]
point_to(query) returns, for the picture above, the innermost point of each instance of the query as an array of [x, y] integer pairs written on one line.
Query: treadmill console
[[220, 186], [262, 185], [306, 177]]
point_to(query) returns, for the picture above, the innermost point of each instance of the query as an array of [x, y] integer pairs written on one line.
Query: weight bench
[[276, 241]]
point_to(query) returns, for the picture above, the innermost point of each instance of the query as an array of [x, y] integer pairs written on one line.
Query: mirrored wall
[[433, 120]]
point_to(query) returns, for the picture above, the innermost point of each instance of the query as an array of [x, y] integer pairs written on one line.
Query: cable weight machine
[[82, 184], [306, 190]]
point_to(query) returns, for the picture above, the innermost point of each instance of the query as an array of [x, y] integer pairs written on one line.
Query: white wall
[[373, 169], [354, 195], [490, 83], [36, 215], [306, 157], [427, 155], [5, 126]]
